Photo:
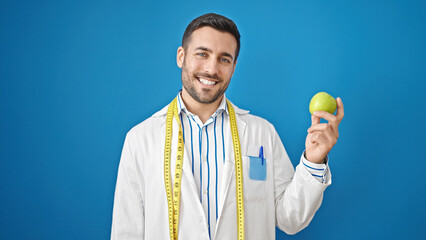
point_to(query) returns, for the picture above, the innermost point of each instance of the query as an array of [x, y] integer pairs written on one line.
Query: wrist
[[313, 160]]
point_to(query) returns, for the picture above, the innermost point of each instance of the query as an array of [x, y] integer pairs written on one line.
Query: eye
[[225, 60], [201, 54]]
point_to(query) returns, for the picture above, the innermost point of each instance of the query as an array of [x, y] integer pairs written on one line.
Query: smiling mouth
[[206, 82]]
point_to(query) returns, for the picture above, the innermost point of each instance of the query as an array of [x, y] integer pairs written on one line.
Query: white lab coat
[[287, 198]]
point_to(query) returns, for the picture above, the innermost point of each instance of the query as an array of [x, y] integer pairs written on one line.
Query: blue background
[[77, 75]]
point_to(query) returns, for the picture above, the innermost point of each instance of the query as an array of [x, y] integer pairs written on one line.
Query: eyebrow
[[209, 50]]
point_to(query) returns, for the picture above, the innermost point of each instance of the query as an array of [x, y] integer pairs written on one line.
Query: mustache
[[214, 76]]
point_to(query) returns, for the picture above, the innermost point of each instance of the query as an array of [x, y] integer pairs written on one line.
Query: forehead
[[213, 39]]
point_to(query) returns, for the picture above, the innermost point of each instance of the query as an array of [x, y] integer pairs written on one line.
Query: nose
[[211, 66]]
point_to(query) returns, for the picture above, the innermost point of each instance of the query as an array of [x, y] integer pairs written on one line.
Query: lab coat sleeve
[[128, 214], [297, 197]]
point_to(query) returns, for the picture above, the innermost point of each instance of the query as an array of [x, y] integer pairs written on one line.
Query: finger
[[324, 127], [313, 137], [315, 119], [325, 140], [323, 130], [318, 127], [340, 109], [326, 115], [330, 136], [333, 121]]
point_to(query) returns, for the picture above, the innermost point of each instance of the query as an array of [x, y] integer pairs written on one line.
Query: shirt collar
[[181, 106]]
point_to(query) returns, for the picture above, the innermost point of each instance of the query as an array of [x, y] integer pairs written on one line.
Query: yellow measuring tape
[[173, 200], [238, 171]]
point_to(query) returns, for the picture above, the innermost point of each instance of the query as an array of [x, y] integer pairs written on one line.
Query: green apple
[[322, 101]]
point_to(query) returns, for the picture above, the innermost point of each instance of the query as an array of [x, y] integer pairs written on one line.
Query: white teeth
[[207, 82]]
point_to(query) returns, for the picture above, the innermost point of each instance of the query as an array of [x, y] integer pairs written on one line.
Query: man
[[274, 194]]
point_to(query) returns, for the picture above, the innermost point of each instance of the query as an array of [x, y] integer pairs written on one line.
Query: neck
[[203, 110]]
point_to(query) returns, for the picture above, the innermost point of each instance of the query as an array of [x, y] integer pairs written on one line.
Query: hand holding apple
[[323, 136]]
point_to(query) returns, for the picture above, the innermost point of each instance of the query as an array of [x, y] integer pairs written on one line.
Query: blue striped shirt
[[207, 145]]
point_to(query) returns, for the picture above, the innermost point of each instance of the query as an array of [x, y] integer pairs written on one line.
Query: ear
[[180, 56]]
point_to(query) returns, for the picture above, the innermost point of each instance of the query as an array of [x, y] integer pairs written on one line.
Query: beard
[[205, 95]]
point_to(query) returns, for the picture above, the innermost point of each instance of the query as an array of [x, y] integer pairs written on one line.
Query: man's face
[[207, 63]]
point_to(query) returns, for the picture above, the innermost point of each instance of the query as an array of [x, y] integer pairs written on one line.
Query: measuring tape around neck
[[173, 200]]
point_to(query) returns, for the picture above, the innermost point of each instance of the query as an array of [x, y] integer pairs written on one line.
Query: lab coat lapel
[[186, 162], [187, 172], [191, 210], [228, 170], [192, 217]]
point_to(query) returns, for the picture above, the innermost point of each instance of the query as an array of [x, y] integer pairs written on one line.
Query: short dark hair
[[215, 21]]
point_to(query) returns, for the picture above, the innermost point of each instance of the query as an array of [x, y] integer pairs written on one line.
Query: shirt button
[[204, 159], [205, 192]]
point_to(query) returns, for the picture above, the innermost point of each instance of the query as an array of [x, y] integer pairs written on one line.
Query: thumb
[[315, 119]]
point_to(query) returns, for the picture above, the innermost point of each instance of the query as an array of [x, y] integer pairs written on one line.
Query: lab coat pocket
[[255, 179]]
